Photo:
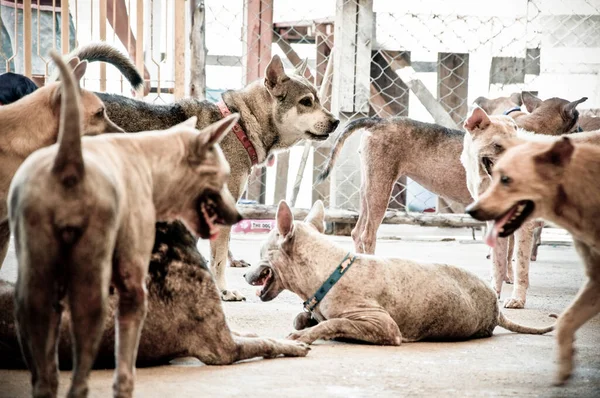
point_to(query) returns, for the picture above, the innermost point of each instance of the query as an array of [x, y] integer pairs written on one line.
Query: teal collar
[[311, 303]]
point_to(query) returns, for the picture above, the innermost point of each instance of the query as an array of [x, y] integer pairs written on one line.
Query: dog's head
[[482, 147], [297, 110], [93, 114], [201, 183], [498, 106], [554, 116], [279, 267], [525, 183]]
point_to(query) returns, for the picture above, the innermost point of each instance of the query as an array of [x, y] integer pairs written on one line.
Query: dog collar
[[311, 303], [579, 129], [511, 110], [240, 134]]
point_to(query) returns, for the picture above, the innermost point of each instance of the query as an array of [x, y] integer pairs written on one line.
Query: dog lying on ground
[[275, 114], [32, 123], [376, 300], [95, 226], [427, 153], [184, 318], [556, 181], [13, 87]]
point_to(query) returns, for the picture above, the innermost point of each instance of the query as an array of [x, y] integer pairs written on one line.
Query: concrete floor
[[507, 364]]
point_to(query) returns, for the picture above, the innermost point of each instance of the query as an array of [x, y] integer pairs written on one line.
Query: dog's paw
[[297, 349], [303, 320], [232, 295], [563, 375], [239, 264], [301, 337], [514, 303], [243, 334], [533, 258]]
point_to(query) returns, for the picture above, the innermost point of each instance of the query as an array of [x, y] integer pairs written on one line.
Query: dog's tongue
[[492, 235]]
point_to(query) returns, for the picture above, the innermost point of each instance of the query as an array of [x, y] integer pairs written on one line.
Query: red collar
[[240, 134]]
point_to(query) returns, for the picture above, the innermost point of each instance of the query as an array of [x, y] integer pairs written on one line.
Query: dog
[[276, 113], [427, 153], [83, 216], [497, 106], [556, 181], [32, 123], [182, 301], [385, 301], [14, 86]]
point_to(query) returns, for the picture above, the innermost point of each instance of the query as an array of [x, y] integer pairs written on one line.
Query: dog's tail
[[68, 165], [350, 128], [104, 52], [515, 327]]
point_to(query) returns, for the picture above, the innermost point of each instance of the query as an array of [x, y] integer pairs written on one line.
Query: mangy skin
[[380, 300]]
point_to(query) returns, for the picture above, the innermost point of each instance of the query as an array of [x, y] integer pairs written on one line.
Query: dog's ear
[[316, 216], [73, 62], [569, 110], [558, 155], [275, 76], [481, 102], [285, 220], [79, 71], [214, 133], [478, 120], [530, 101], [516, 98], [301, 69]]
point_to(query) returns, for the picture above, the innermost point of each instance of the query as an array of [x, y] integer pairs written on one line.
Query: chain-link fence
[[427, 60]]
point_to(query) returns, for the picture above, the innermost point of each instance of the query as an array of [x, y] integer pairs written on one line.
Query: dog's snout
[[334, 124], [474, 211], [239, 218], [244, 276]]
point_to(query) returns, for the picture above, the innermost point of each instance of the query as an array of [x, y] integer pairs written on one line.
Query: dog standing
[[32, 123], [558, 182], [426, 153], [83, 215], [275, 114], [376, 300]]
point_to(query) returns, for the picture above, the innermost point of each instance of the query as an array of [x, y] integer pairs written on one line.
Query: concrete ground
[[507, 364]]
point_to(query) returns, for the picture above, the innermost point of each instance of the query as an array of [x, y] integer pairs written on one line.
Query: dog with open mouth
[[84, 211], [376, 300], [555, 180]]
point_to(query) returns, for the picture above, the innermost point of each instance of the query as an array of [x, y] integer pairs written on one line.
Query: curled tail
[[341, 138], [515, 327], [106, 53], [68, 164]]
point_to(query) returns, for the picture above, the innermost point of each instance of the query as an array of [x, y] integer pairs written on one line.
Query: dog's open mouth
[[509, 222], [210, 219], [265, 279], [316, 137]]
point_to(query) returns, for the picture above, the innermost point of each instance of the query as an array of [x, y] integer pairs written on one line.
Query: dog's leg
[[89, 282], [584, 307], [524, 241], [537, 241], [374, 328], [236, 263], [363, 210], [508, 278], [38, 314], [218, 262], [499, 264], [4, 240], [129, 278]]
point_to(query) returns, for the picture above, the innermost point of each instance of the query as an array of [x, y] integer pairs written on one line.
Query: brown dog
[[32, 123], [427, 153], [83, 214], [556, 181]]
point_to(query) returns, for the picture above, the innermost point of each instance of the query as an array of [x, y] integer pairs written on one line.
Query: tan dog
[[557, 181], [32, 123], [83, 214]]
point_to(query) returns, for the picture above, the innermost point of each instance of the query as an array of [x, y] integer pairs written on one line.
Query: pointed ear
[[569, 109], [516, 98], [481, 102], [285, 220], [530, 101], [214, 133], [316, 216], [301, 69], [558, 155], [274, 76], [478, 120], [73, 62], [79, 71]]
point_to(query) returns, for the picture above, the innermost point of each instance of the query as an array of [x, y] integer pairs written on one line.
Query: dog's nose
[[239, 218], [473, 211], [244, 276], [335, 124]]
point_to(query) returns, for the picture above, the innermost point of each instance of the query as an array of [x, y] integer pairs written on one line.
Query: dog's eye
[[306, 101], [99, 113], [505, 180]]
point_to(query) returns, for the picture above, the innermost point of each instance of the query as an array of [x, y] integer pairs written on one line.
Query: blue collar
[[311, 303], [579, 129], [511, 110]]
